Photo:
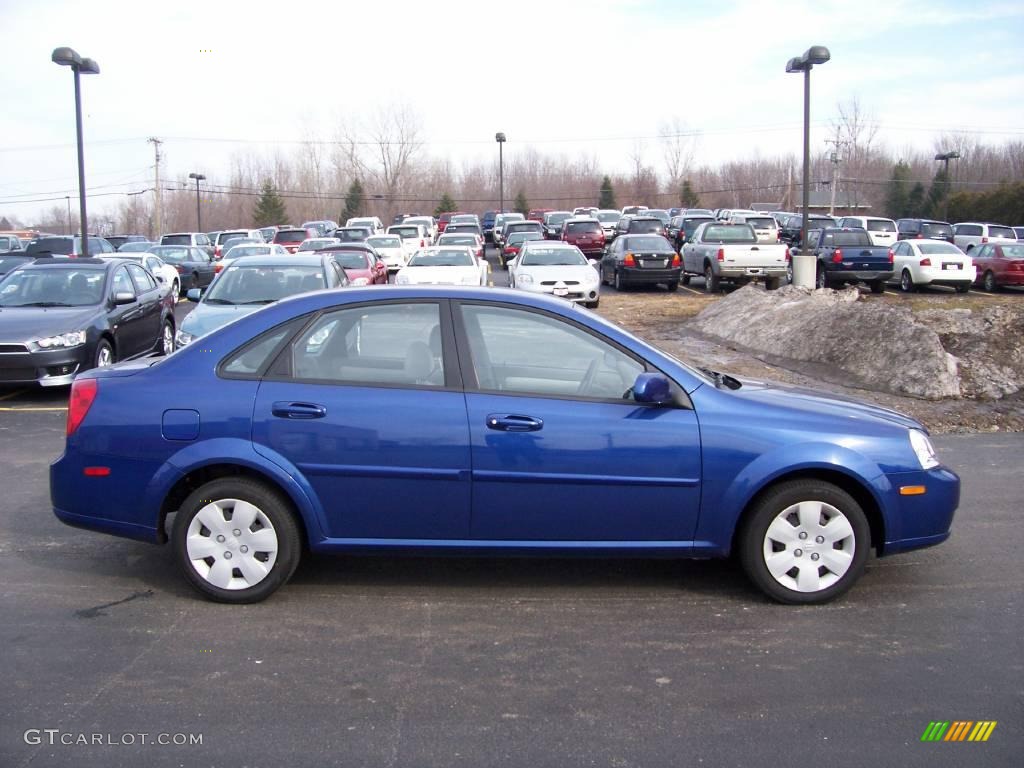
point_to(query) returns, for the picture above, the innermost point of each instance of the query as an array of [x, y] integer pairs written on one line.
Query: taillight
[[83, 392], [926, 262], [629, 261], [918, 236], [675, 260], [984, 239], [720, 256], [892, 256], [217, 268], [788, 257], [837, 256], [422, 243]]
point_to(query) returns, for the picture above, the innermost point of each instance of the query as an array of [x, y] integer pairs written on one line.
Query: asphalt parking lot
[[457, 661]]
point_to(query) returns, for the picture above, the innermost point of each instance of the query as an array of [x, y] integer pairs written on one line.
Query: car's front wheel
[[104, 354], [805, 541], [236, 540], [989, 282], [906, 282], [166, 338]]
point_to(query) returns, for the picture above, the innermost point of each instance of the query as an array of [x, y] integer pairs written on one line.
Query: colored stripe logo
[[958, 730]]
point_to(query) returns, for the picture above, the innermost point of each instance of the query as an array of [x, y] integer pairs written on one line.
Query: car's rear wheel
[[963, 287], [672, 287], [176, 288], [821, 280], [685, 279], [166, 344], [236, 540], [805, 541], [989, 282], [619, 284], [104, 354], [771, 284], [711, 282], [906, 281], [877, 286]]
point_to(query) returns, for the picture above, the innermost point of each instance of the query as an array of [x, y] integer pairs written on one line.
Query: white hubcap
[[809, 546], [105, 358], [168, 340], [231, 544]]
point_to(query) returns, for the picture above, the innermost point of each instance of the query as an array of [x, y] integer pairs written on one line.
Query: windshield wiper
[[43, 304], [257, 301], [721, 379], [221, 301]]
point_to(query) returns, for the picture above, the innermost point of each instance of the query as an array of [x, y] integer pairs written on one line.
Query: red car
[[360, 262], [291, 239], [585, 234], [444, 218], [999, 264], [537, 214], [514, 244]]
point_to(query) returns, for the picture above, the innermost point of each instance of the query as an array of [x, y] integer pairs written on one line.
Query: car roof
[[69, 263], [313, 260]]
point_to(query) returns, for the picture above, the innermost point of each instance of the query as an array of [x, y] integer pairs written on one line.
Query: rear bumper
[[864, 276], [633, 276], [752, 272]]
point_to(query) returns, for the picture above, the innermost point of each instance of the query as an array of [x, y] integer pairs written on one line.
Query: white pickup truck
[[731, 252]]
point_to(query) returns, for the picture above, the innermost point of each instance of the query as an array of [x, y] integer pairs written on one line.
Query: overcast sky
[[217, 78]]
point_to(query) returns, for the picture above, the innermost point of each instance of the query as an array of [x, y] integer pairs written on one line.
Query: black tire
[[271, 504], [161, 342], [989, 282], [103, 348], [685, 279], [604, 275], [753, 532], [620, 285], [907, 282], [712, 284], [193, 282], [594, 304], [821, 279], [672, 287], [772, 284], [963, 287], [877, 286]]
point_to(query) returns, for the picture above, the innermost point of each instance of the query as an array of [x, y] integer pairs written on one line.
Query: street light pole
[[945, 157], [199, 220], [68, 57], [816, 54], [500, 138]]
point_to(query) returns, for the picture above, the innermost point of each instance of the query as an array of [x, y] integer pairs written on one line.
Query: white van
[[881, 231]]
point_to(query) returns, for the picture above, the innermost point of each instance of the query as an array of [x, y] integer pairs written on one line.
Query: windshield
[[466, 218], [176, 240], [505, 218], [523, 226], [351, 235], [7, 263], [405, 233], [608, 217], [173, 255], [290, 236], [555, 219], [551, 257], [58, 245], [52, 288], [351, 259], [384, 242], [458, 240], [247, 250], [517, 238], [696, 221], [251, 284], [661, 216], [937, 249], [462, 228], [584, 228], [729, 233], [648, 244], [880, 225], [940, 231], [443, 258]]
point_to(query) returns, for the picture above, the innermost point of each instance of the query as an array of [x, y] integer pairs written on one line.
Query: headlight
[[361, 281], [402, 280], [923, 448], [592, 277], [73, 339], [183, 338], [524, 279]]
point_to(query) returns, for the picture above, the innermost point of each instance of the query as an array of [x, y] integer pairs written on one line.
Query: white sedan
[[557, 268], [931, 262], [390, 250], [448, 265], [164, 272]]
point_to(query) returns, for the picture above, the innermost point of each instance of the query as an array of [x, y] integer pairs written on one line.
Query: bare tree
[[678, 146]]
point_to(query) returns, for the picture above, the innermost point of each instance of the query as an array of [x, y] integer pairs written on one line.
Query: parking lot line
[[981, 293], [691, 290], [16, 408]]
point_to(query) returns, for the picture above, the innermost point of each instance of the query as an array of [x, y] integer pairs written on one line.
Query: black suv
[[789, 232], [640, 224], [912, 229], [65, 245]]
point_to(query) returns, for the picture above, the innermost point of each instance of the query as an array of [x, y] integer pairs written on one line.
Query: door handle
[[513, 423], [288, 410]]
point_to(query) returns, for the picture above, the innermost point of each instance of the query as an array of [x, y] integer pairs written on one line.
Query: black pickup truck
[[848, 256]]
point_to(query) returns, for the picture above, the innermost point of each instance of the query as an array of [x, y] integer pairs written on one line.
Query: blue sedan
[[483, 421]]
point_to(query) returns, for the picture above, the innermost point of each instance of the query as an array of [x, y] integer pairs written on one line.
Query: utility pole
[[156, 186], [836, 144], [68, 198]]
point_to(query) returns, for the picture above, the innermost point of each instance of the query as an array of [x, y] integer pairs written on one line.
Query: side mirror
[[194, 294], [652, 388], [123, 297]]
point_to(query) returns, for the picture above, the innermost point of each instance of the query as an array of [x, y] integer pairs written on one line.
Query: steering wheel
[[588, 377]]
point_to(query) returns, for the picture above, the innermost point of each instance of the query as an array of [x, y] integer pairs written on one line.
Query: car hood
[[581, 272], [439, 275], [820, 403], [209, 317], [28, 323]]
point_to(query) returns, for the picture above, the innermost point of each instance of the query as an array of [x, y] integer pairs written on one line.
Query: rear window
[[385, 242], [556, 219], [730, 233], [223, 237], [58, 245], [290, 236], [696, 221], [1013, 251], [648, 244], [646, 225], [937, 230], [469, 240], [858, 237], [605, 218], [523, 226], [584, 228], [406, 232], [176, 240], [880, 225], [937, 249], [761, 223], [1001, 232]]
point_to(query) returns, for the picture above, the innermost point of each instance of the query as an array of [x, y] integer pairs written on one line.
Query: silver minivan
[[881, 231]]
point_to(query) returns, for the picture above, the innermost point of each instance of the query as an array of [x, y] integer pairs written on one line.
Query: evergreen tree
[[522, 205], [915, 201], [688, 198], [5, 224], [446, 204], [935, 206], [897, 196], [353, 201], [607, 199], [269, 208]]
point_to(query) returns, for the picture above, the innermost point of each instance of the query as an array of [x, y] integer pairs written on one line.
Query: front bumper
[[574, 293], [48, 368], [922, 520]]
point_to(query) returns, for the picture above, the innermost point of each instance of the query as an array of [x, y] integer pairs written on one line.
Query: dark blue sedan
[[483, 421]]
